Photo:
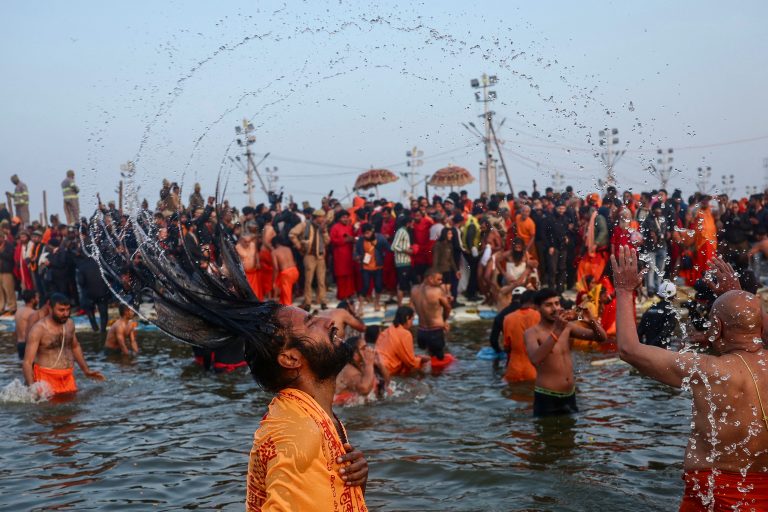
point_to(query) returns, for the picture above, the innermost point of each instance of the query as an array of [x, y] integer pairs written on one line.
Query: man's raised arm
[[660, 364]]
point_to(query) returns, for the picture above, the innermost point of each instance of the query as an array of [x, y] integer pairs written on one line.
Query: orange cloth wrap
[[265, 273], [254, 279], [285, 280], [726, 494], [519, 367], [293, 461], [61, 380], [395, 349]]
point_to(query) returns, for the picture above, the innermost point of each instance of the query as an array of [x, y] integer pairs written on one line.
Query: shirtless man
[[343, 317], [249, 257], [36, 315], [548, 344], [358, 377], [121, 333], [52, 350], [433, 307], [21, 319], [285, 274], [730, 384]]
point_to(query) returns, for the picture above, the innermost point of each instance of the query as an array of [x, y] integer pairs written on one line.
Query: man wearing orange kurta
[[301, 458], [519, 367], [526, 229], [705, 239], [395, 345]]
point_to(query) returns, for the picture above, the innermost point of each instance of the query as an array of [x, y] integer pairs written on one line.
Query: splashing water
[[17, 392]]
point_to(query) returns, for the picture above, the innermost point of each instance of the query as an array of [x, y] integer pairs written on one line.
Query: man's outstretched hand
[[720, 276], [625, 274]]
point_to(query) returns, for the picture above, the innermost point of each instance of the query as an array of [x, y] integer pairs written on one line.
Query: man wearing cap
[[71, 201], [658, 324], [311, 239], [21, 200]]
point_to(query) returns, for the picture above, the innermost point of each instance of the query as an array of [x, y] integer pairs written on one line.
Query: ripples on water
[[162, 435]]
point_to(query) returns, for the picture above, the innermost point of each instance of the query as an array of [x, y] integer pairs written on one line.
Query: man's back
[[726, 405], [426, 302], [519, 366]]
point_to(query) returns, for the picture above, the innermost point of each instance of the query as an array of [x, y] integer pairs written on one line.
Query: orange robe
[[727, 492], [265, 273], [705, 240], [519, 367], [526, 229], [293, 460], [285, 281], [254, 279], [61, 380], [395, 349]]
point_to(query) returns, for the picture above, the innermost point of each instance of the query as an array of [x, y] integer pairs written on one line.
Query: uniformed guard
[[71, 200]]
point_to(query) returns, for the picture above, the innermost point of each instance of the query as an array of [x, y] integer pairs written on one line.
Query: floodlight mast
[[251, 169], [487, 173]]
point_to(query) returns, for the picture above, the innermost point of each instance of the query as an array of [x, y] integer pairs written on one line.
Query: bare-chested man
[[121, 338], [249, 257], [285, 273], [433, 307], [358, 377], [21, 319], [548, 344], [343, 316], [37, 315], [52, 350], [726, 460]]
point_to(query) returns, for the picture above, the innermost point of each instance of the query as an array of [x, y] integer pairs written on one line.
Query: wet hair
[[544, 295], [528, 297], [402, 315], [347, 304], [122, 308], [59, 298], [372, 333], [28, 295]]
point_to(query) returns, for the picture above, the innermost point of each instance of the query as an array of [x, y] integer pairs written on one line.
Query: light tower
[[414, 160], [702, 180], [251, 168], [608, 139], [488, 170]]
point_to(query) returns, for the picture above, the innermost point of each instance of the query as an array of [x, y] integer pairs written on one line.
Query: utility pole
[[765, 166], [272, 179], [728, 188], [488, 171], [558, 181], [663, 167], [702, 181], [414, 160], [609, 138], [251, 169]]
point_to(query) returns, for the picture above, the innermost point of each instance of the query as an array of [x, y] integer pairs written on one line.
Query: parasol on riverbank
[[374, 178], [451, 176]]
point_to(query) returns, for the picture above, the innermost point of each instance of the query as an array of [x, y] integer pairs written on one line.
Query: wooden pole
[[120, 198], [45, 209], [9, 202]]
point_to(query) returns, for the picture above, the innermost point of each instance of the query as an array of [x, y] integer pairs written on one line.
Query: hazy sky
[[335, 88]]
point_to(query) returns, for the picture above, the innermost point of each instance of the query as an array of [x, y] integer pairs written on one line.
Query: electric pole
[[558, 181], [251, 168], [727, 184], [488, 171], [702, 181], [663, 168], [414, 160], [765, 166], [609, 138]]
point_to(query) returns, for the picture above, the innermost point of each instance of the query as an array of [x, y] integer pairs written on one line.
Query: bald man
[[726, 460]]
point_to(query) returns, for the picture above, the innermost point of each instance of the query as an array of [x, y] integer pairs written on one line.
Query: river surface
[[161, 434]]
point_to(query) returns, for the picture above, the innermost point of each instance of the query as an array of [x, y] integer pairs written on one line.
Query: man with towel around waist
[[52, 349]]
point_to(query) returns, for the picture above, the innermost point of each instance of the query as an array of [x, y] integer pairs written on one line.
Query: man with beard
[[358, 378], [52, 349], [301, 448]]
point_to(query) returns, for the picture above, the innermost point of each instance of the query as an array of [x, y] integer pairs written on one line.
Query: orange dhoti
[[254, 279], [285, 281], [731, 491], [701, 257], [265, 273], [61, 380]]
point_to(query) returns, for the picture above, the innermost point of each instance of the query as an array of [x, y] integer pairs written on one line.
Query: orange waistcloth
[[61, 380], [265, 273], [395, 349], [726, 494], [254, 280], [519, 367], [285, 280], [293, 460]]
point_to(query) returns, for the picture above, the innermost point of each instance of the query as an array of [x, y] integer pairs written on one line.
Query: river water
[[162, 435]]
